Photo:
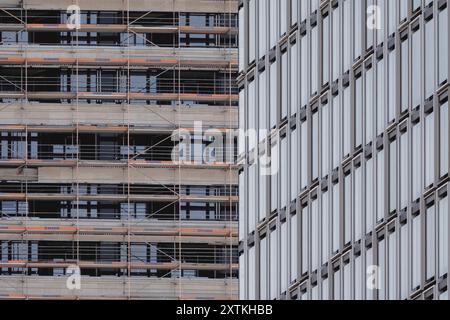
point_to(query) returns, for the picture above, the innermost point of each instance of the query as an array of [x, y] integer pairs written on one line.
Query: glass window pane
[[294, 247], [430, 241], [443, 45], [443, 235], [416, 69], [416, 250], [444, 139]]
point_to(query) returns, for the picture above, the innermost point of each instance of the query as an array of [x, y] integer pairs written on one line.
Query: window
[[294, 74], [262, 27], [347, 208], [294, 247], [358, 203], [315, 146], [416, 160], [429, 59], [392, 10], [273, 22], [252, 30], [315, 292], [263, 270], [304, 72], [283, 257], [242, 138], [242, 286], [382, 268], [251, 186], [315, 233], [294, 165], [392, 265], [242, 229], [359, 280], [358, 111], [251, 273], [369, 106], [380, 32], [314, 65], [405, 75], [416, 69], [262, 106], [273, 107], [325, 224], [13, 208], [380, 186], [336, 218], [274, 176], [416, 5], [274, 279], [242, 30], [443, 235], [325, 136], [314, 5], [357, 22], [380, 95], [326, 50], [346, 125], [370, 201], [284, 85], [443, 45], [305, 240], [404, 264], [336, 119], [393, 184], [430, 240], [303, 10], [403, 9], [369, 262], [284, 173], [392, 90], [415, 252], [444, 139], [336, 64], [252, 116], [337, 284], [369, 32], [283, 14], [304, 154], [262, 195], [325, 289], [404, 165], [294, 12], [347, 33], [429, 149], [347, 282]]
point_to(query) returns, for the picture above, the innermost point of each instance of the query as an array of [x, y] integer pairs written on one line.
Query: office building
[[345, 152]]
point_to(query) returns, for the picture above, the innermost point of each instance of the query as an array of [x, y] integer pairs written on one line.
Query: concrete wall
[[152, 176], [115, 287], [114, 114]]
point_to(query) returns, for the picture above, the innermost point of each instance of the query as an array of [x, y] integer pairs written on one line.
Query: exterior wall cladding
[[357, 186], [90, 179]]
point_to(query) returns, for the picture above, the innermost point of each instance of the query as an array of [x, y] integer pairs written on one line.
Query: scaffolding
[[70, 142]]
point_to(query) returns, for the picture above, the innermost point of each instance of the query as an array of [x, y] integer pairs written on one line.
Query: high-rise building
[[105, 171], [344, 179]]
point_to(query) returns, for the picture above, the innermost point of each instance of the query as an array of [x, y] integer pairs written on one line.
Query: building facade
[[106, 169], [344, 152]]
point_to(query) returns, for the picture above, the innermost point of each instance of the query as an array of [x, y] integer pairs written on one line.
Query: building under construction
[[102, 165]]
